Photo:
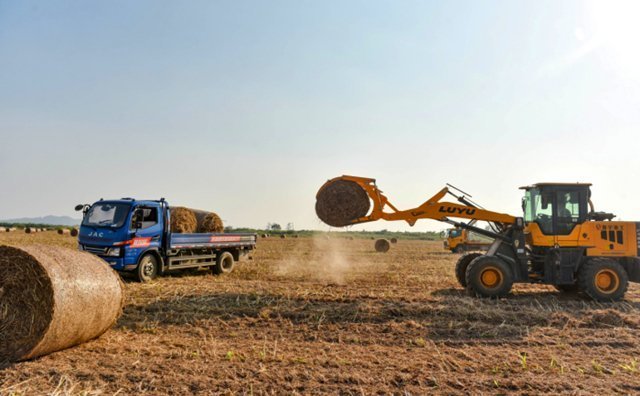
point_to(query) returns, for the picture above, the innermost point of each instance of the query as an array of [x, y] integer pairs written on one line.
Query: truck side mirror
[[79, 207]]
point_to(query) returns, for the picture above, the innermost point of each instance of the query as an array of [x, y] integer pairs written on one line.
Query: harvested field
[[333, 316]]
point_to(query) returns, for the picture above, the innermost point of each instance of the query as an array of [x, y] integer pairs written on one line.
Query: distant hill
[[51, 220]]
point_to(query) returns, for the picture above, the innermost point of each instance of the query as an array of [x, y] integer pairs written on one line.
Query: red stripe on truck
[[224, 238]]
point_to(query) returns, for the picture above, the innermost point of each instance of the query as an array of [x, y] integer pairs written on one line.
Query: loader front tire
[[461, 267], [603, 279], [489, 277]]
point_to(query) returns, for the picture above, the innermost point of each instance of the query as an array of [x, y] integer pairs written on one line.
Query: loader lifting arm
[[433, 208]]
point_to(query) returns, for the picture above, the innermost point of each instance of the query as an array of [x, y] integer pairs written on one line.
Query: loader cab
[[557, 208]]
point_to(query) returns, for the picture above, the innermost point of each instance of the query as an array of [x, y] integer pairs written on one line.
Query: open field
[[332, 316]]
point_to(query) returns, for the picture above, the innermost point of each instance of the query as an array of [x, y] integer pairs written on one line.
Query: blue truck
[[135, 237]]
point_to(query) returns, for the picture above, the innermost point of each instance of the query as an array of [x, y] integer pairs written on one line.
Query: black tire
[[488, 276], [603, 279], [461, 267], [148, 268], [224, 264], [568, 288]]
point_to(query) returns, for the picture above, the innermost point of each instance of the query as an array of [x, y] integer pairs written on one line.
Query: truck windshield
[[107, 215]]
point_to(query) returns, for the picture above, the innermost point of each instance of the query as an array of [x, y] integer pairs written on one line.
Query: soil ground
[[311, 316]]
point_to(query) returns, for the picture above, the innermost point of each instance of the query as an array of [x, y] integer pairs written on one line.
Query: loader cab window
[[538, 208], [568, 204], [555, 209]]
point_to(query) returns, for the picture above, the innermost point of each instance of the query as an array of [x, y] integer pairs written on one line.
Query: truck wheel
[[461, 267], [224, 264], [147, 268], [488, 276], [603, 279]]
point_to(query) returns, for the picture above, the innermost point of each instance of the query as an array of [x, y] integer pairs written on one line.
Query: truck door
[[150, 225]]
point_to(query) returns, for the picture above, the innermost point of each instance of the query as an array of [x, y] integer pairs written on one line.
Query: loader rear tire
[[461, 267], [603, 279], [489, 277]]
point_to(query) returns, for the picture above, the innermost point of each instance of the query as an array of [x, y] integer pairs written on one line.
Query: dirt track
[[318, 316]]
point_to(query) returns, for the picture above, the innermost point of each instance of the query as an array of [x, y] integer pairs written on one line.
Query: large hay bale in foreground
[[183, 220], [52, 298], [74, 232], [340, 202], [208, 222]]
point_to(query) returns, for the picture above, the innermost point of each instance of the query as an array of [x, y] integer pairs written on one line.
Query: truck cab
[[135, 236]]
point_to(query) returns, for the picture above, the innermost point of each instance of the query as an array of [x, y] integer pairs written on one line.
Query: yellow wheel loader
[[560, 240]]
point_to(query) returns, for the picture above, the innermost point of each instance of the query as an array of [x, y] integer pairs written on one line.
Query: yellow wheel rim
[[491, 277], [607, 281]]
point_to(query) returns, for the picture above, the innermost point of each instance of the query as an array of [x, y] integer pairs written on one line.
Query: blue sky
[[246, 108]]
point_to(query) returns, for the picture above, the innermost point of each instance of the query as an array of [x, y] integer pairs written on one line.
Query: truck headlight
[[114, 252]]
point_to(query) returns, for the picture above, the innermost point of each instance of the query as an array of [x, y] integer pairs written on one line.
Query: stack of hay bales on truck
[[190, 221]]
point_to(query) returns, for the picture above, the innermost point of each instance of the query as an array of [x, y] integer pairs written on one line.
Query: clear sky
[[247, 107]]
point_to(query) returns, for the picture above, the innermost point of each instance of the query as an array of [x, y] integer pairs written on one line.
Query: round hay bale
[[393, 240], [183, 220], [2, 229], [382, 245], [264, 235], [52, 298], [282, 236], [209, 222], [29, 230], [74, 232], [295, 236], [340, 202], [64, 231]]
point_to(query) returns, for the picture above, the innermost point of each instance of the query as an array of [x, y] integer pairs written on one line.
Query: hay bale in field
[[382, 245], [264, 235], [282, 236], [74, 232], [52, 298], [183, 220], [11, 229], [340, 202], [29, 230], [295, 236], [64, 231], [208, 222], [2, 229], [393, 240]]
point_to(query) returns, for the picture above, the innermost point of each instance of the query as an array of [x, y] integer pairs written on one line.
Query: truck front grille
[[96, 250]]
